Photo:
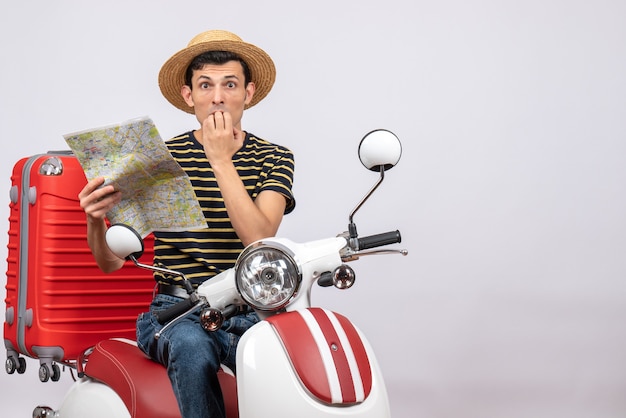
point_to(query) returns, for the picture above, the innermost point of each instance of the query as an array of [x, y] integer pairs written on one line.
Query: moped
[[298, 361]]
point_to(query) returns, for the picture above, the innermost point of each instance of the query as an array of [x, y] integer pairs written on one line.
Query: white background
[[511, 194]]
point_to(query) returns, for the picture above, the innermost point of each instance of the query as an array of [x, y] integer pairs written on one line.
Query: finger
[[91, 186], [102, 196], [209, 123], [228, 121], [219, 120], [102, 206]]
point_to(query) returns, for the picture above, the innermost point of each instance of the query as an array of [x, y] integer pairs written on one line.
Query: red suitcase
[[58, 302]]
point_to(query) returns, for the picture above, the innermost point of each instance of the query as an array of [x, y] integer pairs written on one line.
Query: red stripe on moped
[[327, 354], [338, 353]]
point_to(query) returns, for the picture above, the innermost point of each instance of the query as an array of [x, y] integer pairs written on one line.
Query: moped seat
[[142, 383]]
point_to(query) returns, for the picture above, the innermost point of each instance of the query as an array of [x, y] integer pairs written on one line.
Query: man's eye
[[204, 85], [231, 84]]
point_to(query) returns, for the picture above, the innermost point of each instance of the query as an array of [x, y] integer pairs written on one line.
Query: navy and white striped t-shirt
[[201, 254]]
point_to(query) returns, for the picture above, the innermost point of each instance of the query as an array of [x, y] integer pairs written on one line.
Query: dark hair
[[216, 57]]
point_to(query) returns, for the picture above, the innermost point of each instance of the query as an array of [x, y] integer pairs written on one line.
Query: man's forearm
[[106, 260]]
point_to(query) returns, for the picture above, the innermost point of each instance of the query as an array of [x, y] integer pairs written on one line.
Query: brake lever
[[191, 310], [354, 255]]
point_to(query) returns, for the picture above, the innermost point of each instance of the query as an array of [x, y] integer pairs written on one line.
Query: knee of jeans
[[241, 323], [189, 354], [191, 337]]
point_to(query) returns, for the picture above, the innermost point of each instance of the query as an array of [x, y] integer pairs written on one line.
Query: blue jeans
[[192, 356]]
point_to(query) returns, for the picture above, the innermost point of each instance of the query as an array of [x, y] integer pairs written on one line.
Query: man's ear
[[185, 91], [250, 88]]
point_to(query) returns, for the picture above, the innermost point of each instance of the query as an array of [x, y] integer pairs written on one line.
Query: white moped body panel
[[87, 397], [268, 386], [221, 290]]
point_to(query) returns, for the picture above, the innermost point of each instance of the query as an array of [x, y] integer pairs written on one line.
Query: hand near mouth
[[220, 139]]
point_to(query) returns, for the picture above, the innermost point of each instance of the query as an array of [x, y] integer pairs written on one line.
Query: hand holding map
[[157, 194]]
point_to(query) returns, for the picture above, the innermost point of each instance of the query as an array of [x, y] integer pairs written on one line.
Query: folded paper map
[[156, 193]]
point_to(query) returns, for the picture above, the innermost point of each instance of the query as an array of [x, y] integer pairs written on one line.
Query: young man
[[243, 184]]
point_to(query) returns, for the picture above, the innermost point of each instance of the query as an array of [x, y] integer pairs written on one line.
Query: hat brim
[[172, 74]]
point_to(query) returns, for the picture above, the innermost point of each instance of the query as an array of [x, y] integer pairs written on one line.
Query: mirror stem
[[188, 286], [352, 225]]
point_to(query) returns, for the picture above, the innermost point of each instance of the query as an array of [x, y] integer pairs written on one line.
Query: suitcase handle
[[61, 152]]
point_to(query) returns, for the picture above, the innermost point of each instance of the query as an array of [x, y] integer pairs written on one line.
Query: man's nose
[[218, 95]]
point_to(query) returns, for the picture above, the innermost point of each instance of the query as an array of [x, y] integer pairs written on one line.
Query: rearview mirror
[[380, 148]]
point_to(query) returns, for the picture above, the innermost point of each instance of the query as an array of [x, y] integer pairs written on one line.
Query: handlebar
[[378, 240], [189, 305], [175, 310]]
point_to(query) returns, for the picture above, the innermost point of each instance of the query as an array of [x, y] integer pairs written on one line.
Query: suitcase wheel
[[12, 365], [45, 374]]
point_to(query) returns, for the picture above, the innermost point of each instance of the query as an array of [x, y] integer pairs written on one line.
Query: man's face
[[219, 88]]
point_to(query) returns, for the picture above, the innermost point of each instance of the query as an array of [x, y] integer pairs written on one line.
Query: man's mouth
[[216, 109]]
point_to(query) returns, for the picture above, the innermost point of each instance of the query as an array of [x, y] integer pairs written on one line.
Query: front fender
[[311, 363]]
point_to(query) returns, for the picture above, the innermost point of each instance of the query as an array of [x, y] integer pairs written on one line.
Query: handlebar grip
[[174, 310], [378, 240]]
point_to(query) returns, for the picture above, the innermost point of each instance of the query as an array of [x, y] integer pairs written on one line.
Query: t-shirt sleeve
[[280, 177]]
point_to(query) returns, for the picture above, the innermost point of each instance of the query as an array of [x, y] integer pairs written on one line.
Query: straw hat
[[172, 74]]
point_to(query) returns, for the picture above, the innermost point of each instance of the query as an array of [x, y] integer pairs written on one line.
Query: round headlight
[[267, 276]]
